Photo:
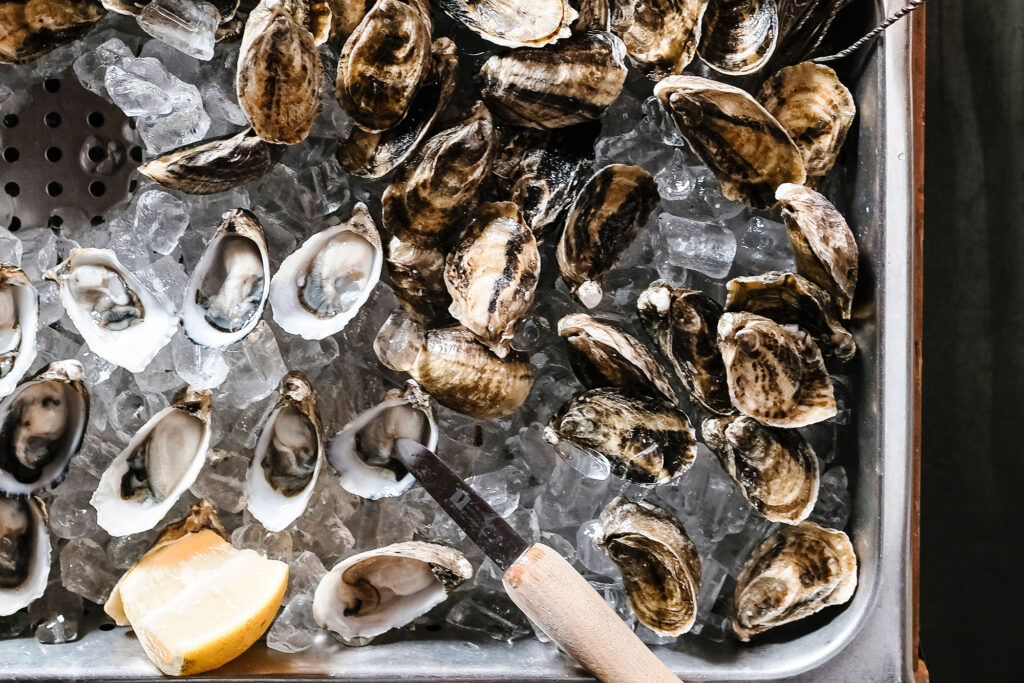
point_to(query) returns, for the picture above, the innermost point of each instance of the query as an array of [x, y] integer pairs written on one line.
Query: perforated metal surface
[[68, 156]]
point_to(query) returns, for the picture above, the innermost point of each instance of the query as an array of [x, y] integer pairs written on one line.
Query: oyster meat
[[659, 564], [738, 37], [19, 318], [776, 469], [799, 571], [775, 373], [31, 28], [514, 23], [661, 35], [24, 553]]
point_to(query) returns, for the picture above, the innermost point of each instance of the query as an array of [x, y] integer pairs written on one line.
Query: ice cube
[[72, 516], [91, 67], [764, 245], [833, 507], [399, 341], [256, 367], [659, 125], [675, 180], [10, 245], [130, 410], [198, 366], [294, 629], [222, 106], [187, 122], [277, 545], [160, 220], [57, 615], [142, 90], [304, 574], [705, 247], [221, 482], [125, 551], [590, 554], [85, 570], [186, 25], [491, 613]]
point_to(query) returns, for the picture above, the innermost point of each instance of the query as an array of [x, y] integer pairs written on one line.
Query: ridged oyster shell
[[661, 35], [19, 318], [417, 276], [24, 553], [514, 23], [738, 37], [31, 28]]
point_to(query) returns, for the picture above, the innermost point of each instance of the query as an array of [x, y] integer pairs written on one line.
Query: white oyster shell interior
[[24, 553]]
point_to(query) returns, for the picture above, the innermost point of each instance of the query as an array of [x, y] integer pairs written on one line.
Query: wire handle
[[874, 33]]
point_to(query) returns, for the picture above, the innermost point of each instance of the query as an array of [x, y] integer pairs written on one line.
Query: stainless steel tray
[[870, 640]]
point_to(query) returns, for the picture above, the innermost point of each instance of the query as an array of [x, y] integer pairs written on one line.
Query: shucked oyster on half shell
[[362, 453], [373, 592], [321, 286], [31, 28], [799, 571], [24, 553], [159, 464], [42, 425], [288, 456], [738, 37], [19, 318], [776, 469], [603, 220], [659, 564], [121, 321], [492, 274], [514, 23], [661, 35], [776, 374], [749, 152]]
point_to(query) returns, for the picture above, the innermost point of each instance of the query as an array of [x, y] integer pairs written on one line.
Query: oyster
[[345, 16], [31, 28], [433, 193], [214, 165], [321, 286], [229, 287], [19, 318], [362, 452], [776, 469], [799, 571], [280, 75], [602, 354], [684, 325], [744, 146], [738, 37], [802, 26], [492, 274], [288, 456], [825, 249], [645, 439], [790, 299], [417, 276], [159, 464], [659, 564], [514, 23], [24, 553], [775, 373], [121, 321], [383, 63], [372, 155], [373, 592], [603, 220], [661, 36], [561, 85], [42, 425], [815, 108]]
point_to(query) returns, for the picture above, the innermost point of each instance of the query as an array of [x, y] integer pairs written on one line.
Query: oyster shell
[[790, 299], [431, 195], [230, 285], [321, 286], [372, 155], [288, 456], [280, 75], [514, 23], [799, 571], [561, 85], [603, 220], [775, 373], [776, 469], [738, 37], [491, 276], [659, 564], [382, 64], [684, 325], [345, 16], [160, 463], [603, 354], [823, 244], [373, 592], [19, 318], [24, 553], [815, 108], [362, 452], [31, 28], [661, 35], [417, 276], [744, 146], [42, 425], [214, 165], [802, 26], [645, 439], [121, 321]]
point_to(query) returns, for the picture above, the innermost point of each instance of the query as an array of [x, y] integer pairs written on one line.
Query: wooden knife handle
[[575, 616]]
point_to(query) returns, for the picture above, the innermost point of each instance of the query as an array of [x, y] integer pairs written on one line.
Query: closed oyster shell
[[775, 373], [19, 318], [345, 16], [24, 553], [561, 85], [815, 108], [645, 439], [738, 37], [662, 35], [659, 564], [799, 571], [790, 299], [744, 146], [684, 324], [776, 469], [514, 23], [603, 220], [417, 276], [802, 26], [823, 244], [31, 28]]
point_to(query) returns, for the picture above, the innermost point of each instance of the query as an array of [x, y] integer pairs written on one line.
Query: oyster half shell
[[31, 28], [514, 23], [738, 37], [661, 35], [19, 318], [24, 553]]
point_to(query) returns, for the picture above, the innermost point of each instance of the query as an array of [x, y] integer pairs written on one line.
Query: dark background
[[972, 576]]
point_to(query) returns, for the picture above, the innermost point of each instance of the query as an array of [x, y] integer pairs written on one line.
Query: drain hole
[[97, 188], [136, 154], [106, 627], [12, 188], [54, 154], [11, 155], [133, 185], [15, 224], [95, 119], [52, 119], [96, 220], [11, 120], [97, 154], [52, 84], [55, 221], [53, 188]]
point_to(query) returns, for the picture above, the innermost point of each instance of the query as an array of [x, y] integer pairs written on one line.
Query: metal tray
[[869, 640]]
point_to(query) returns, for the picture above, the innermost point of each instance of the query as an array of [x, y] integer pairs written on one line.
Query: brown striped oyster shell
[[513, 23], [738, 37], [661, 35]]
